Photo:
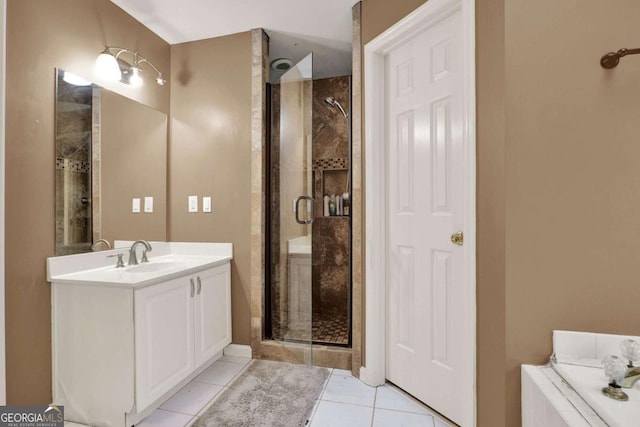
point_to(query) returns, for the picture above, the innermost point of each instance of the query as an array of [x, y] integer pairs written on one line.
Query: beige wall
[[492, 395], [133, 164], [558, 186], [210, 155], [572, 176], [42, 35]]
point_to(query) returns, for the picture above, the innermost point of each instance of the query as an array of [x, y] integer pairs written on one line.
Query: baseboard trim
[[368, 378], [238, 350]]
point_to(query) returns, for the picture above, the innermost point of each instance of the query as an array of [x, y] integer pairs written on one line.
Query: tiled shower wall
[[330, 239]]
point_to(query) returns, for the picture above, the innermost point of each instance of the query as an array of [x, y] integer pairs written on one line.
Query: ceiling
[[295, 27]]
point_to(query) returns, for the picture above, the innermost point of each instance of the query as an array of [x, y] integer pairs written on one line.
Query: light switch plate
[[135, 206], [193, 203], [206, 204], [148, 204]]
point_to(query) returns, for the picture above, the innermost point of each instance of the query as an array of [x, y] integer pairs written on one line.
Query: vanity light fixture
[[611, 59], [108, 67]]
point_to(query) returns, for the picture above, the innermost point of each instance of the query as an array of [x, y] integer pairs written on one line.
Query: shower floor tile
[[330, 329]]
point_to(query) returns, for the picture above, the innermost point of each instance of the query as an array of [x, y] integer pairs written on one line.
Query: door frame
[[423, 18]]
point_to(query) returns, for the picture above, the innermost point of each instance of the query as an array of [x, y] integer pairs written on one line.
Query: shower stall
[[308, 256]]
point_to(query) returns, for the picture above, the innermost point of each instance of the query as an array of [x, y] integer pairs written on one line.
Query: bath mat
[[267, 394]]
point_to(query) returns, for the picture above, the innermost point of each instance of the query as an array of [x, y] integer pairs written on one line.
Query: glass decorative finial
[[615, 370], [630, 351]]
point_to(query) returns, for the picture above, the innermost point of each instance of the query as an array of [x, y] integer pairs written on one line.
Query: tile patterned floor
[[327, 329], [331, 329], [345, 401]]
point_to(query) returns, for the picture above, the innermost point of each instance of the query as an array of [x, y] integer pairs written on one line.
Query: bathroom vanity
[[126, 339]]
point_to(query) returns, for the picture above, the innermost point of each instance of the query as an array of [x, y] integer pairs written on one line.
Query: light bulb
[[135, 80], [107, 67], [75, 80], [160, 80]]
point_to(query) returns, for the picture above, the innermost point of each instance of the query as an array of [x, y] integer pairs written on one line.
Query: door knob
[[457, 238]]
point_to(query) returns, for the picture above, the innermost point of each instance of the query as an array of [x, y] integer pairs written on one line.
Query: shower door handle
[[312, 216]]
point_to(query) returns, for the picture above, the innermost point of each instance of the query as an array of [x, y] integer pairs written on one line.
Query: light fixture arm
[[137, 59], [140, 61], [611, 59]]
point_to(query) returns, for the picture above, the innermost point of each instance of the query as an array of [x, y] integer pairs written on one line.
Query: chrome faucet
[[97, 243], [631, 352], [133, 259]]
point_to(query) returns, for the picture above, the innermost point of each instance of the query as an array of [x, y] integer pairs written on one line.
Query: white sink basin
[[168, 261], [153, 267]]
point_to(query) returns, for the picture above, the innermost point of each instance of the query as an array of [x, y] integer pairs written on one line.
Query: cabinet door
[[163, 338], [212, 312]]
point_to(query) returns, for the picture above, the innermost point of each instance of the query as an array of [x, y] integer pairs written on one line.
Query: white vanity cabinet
[[163, 338], [212, 313], [180, 325], [121, 349]]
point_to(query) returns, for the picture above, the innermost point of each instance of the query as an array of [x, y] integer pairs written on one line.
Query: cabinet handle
[[193, 288], [199, 285]]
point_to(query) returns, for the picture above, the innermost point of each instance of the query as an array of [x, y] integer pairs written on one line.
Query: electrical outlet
[[193, 203], [135, 206]]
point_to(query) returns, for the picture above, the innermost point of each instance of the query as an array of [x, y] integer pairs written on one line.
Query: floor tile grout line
[[373, 413], [210, 403], [175, 412], [319, 399], [195, 380], [348, 403], [191, 422], [197, 414], [407, 412], [406, 396], [224, 388], [244, 368]]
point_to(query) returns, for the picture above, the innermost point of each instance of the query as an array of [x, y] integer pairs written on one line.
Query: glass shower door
[[293, 210]]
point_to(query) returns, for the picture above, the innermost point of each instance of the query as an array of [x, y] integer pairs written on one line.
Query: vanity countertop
[[167, 260]]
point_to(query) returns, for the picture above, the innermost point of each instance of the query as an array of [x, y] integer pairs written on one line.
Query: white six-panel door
[[425, 194]]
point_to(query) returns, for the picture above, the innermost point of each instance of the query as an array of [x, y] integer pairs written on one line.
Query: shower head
[[333, 103]]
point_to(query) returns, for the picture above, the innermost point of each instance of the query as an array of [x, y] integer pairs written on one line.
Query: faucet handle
[[120, 263], [615, 370], [630, 351], [144, 256]]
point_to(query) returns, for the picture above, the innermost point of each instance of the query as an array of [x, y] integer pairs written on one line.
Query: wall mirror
[[109, 151]]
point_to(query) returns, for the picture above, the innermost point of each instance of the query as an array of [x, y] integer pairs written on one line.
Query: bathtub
[[567, 392]]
